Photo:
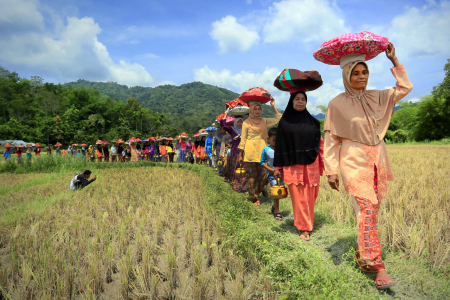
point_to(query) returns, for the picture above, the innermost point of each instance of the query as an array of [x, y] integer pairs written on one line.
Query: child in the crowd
[[64, 152], [267, 163]]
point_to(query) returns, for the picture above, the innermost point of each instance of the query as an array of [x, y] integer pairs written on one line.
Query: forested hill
[[194, 99]]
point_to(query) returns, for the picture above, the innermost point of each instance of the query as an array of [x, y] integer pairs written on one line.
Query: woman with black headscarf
[[299, 160], [298, 157]]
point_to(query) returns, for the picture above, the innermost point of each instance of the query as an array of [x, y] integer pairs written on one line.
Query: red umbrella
[[83, 145]]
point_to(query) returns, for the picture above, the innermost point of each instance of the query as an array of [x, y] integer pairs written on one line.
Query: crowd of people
[[250, 152]]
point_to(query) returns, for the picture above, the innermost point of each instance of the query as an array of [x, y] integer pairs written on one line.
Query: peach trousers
[[303, 197]]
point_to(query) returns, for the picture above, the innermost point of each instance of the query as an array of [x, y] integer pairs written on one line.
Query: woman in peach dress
[[355, 125]]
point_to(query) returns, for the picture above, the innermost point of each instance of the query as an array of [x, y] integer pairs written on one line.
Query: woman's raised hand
[[390, 53], [272, 102]]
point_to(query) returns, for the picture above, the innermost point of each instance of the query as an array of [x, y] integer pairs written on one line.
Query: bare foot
[[382, 274], [305, 235]]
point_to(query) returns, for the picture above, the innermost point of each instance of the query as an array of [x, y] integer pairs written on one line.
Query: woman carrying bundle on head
[[183, 147], [195, 148], [91, 153], [298, 156], [177, 149], [238, 183], [189, 145], [163, 151], [254, 140], [218, 137], [8, 151], [201, 150], [209, 144], [355, 125], [170, 150]]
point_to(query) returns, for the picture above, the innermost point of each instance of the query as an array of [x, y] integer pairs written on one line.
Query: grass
[[181, 232]]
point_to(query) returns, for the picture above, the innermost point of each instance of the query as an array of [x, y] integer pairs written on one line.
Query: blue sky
[[233, 44]]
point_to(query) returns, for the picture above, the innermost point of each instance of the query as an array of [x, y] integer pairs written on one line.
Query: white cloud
[[422, 31], [233, 36], [303, 20], [71, 52], [151, 55]]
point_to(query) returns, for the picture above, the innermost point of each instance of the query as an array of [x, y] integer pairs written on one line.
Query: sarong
[[257, 180], [368, 248], [238, 184]]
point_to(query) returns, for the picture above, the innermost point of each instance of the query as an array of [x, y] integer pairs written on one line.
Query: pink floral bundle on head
[[367, 43]]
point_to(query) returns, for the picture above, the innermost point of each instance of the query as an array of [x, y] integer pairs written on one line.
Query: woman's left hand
[[390, 53]]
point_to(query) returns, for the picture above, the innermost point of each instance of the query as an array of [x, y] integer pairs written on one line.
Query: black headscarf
[[298, 137], [201, 143]]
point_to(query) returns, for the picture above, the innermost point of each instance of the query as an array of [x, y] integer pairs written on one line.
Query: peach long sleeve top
[[356, 161]]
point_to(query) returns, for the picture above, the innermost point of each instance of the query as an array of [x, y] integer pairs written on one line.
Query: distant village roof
[[16, 143]]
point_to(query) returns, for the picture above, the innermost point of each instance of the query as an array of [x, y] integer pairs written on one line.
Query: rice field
[[147, 233], [138, 233]]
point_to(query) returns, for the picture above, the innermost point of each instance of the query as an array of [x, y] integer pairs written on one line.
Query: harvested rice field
[[140, 233]]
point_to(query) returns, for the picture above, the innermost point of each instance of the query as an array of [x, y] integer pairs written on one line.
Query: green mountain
[[191, 100]]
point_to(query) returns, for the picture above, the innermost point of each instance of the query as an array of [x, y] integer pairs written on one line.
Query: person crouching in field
[[267, 157], [81, 180]]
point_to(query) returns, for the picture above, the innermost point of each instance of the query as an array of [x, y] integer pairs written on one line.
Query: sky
[[235, 44]]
